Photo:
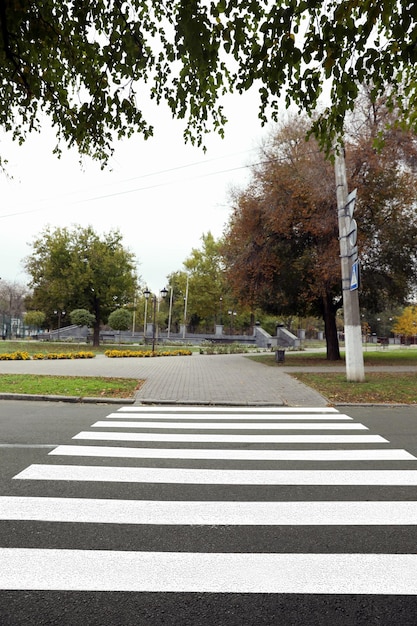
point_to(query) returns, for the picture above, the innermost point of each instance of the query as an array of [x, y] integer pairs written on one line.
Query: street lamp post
[[232, 314], [59, 313], [145, 314], [170, 312], [147, 294], [134, 316], [185, 309]]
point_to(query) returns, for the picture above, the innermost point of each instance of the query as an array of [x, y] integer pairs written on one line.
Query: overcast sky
[[161, 194]]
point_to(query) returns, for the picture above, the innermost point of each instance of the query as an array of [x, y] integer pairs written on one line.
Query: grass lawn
[[46, 347], [69, 386], [34, 347], [397, 356], [379, 387]]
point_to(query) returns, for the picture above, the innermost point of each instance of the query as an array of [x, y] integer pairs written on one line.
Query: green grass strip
[[88, 386], [378, 387]]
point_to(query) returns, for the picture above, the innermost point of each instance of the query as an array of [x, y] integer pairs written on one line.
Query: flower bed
[[62, 355], [115, 354], [25, 356], [15, 356]]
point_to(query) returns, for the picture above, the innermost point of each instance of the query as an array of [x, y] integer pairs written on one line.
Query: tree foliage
[[282, 249], [12, 297], [386, 212], [75, 268], [205, 270], [82, 317], [90, 65], [120, 319], [406, 323], [34, 319], [202, 285]]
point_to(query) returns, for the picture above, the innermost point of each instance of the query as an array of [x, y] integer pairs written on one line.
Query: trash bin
[[280, 356]]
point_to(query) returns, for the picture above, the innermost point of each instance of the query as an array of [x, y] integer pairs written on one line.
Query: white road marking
[[226, 409], [166, 417], [244, 455], [188, 438], [218, 477], [106, 570], [225, 513], [231, 426]]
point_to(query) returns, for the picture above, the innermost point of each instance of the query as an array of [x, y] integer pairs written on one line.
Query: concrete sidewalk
[[230, 379]]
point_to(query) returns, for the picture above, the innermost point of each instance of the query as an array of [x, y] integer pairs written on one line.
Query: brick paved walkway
[[221, 379]]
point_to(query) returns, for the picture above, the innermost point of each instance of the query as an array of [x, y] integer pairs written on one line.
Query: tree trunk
[[96, 334], [96, 327], [332, 340]]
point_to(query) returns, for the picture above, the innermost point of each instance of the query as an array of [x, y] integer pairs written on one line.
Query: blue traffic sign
[[354, 277]]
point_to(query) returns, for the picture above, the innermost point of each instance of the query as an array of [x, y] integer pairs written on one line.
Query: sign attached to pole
[[350, 204], [354, 278], [351, 226]]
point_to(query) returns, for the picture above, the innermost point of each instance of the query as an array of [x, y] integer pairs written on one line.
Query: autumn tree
[[282, 245], [406, 323], [77, 269], [89, 66]]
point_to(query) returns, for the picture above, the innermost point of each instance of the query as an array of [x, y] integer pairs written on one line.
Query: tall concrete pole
[[355, 371]]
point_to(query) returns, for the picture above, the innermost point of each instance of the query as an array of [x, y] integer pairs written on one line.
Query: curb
[[377, 404], [74, 399], [150, 401]]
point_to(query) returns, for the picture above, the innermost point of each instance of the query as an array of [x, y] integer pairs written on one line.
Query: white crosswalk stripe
[[214, 438], [227, 410], [104, 570], [217, 417], [207, 513], [218, 477], [236, 480], [237, 455], [230, 426]]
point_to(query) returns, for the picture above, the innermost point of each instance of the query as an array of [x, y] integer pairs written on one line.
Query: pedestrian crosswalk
[[234, 500]]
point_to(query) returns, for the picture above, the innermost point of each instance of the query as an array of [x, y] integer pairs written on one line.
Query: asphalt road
[[129, 523]]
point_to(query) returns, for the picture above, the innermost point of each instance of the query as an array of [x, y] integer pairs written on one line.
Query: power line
[[164, 184], [148, 175]]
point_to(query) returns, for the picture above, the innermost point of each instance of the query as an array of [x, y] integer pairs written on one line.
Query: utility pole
[[355, 371]]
